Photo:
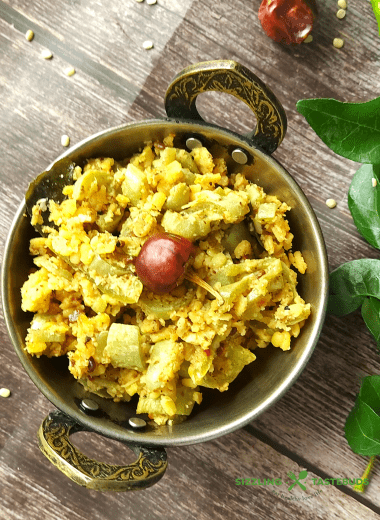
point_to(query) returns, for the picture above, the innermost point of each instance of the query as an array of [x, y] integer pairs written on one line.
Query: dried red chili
[[288, 21]]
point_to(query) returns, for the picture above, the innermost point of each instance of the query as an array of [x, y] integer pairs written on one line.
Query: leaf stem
[[360, 488]]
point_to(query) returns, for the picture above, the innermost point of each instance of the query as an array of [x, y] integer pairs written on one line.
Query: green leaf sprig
[[352, 130], [364, 419], [364, 203], [376, 10]]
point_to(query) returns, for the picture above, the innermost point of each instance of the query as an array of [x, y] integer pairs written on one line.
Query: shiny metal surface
[[137, 423], [193, 142], [89, 406], [239, 156]]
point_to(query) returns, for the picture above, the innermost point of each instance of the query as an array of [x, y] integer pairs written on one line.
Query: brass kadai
[[262, 383]]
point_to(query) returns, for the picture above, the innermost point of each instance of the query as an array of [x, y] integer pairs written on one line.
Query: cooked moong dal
[[122, 339]]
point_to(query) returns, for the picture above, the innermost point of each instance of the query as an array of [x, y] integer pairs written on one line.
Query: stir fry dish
[[160, 275]]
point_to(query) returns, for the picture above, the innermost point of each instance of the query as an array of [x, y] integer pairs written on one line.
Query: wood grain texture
[[117, 82], [199, 483]]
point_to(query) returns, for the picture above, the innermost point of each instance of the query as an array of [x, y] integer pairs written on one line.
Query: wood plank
[[199, 483], [114, 36], [117, 82]]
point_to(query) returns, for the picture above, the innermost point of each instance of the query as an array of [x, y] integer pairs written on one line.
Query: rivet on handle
[[89, 406], [137, 423], [193, 142], [239, 156]]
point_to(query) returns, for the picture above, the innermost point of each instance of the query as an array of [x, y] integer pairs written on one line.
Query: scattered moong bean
[[70, 71], [46, 54], [341, 13], [342, 4], [148, 45], [29, 35], [308, 39], [65, 140], [338, 43], [331, 203], [5, 392]]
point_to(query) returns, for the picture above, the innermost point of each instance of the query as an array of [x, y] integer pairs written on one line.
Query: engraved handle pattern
[[53, 437], [232, 78]]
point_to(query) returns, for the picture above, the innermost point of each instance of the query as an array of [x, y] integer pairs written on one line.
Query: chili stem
[[192, 277], [360, 488]]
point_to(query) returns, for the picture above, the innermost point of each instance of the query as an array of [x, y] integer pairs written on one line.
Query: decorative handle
[[53, 437], [235, 79]]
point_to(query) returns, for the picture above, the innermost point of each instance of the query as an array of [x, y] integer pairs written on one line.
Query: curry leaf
[[371, 316], [351, 130], [364, 203], [351, 282], [376, 10], [362, 427]]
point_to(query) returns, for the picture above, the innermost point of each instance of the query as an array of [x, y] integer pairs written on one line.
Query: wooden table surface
[[117, 81]]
